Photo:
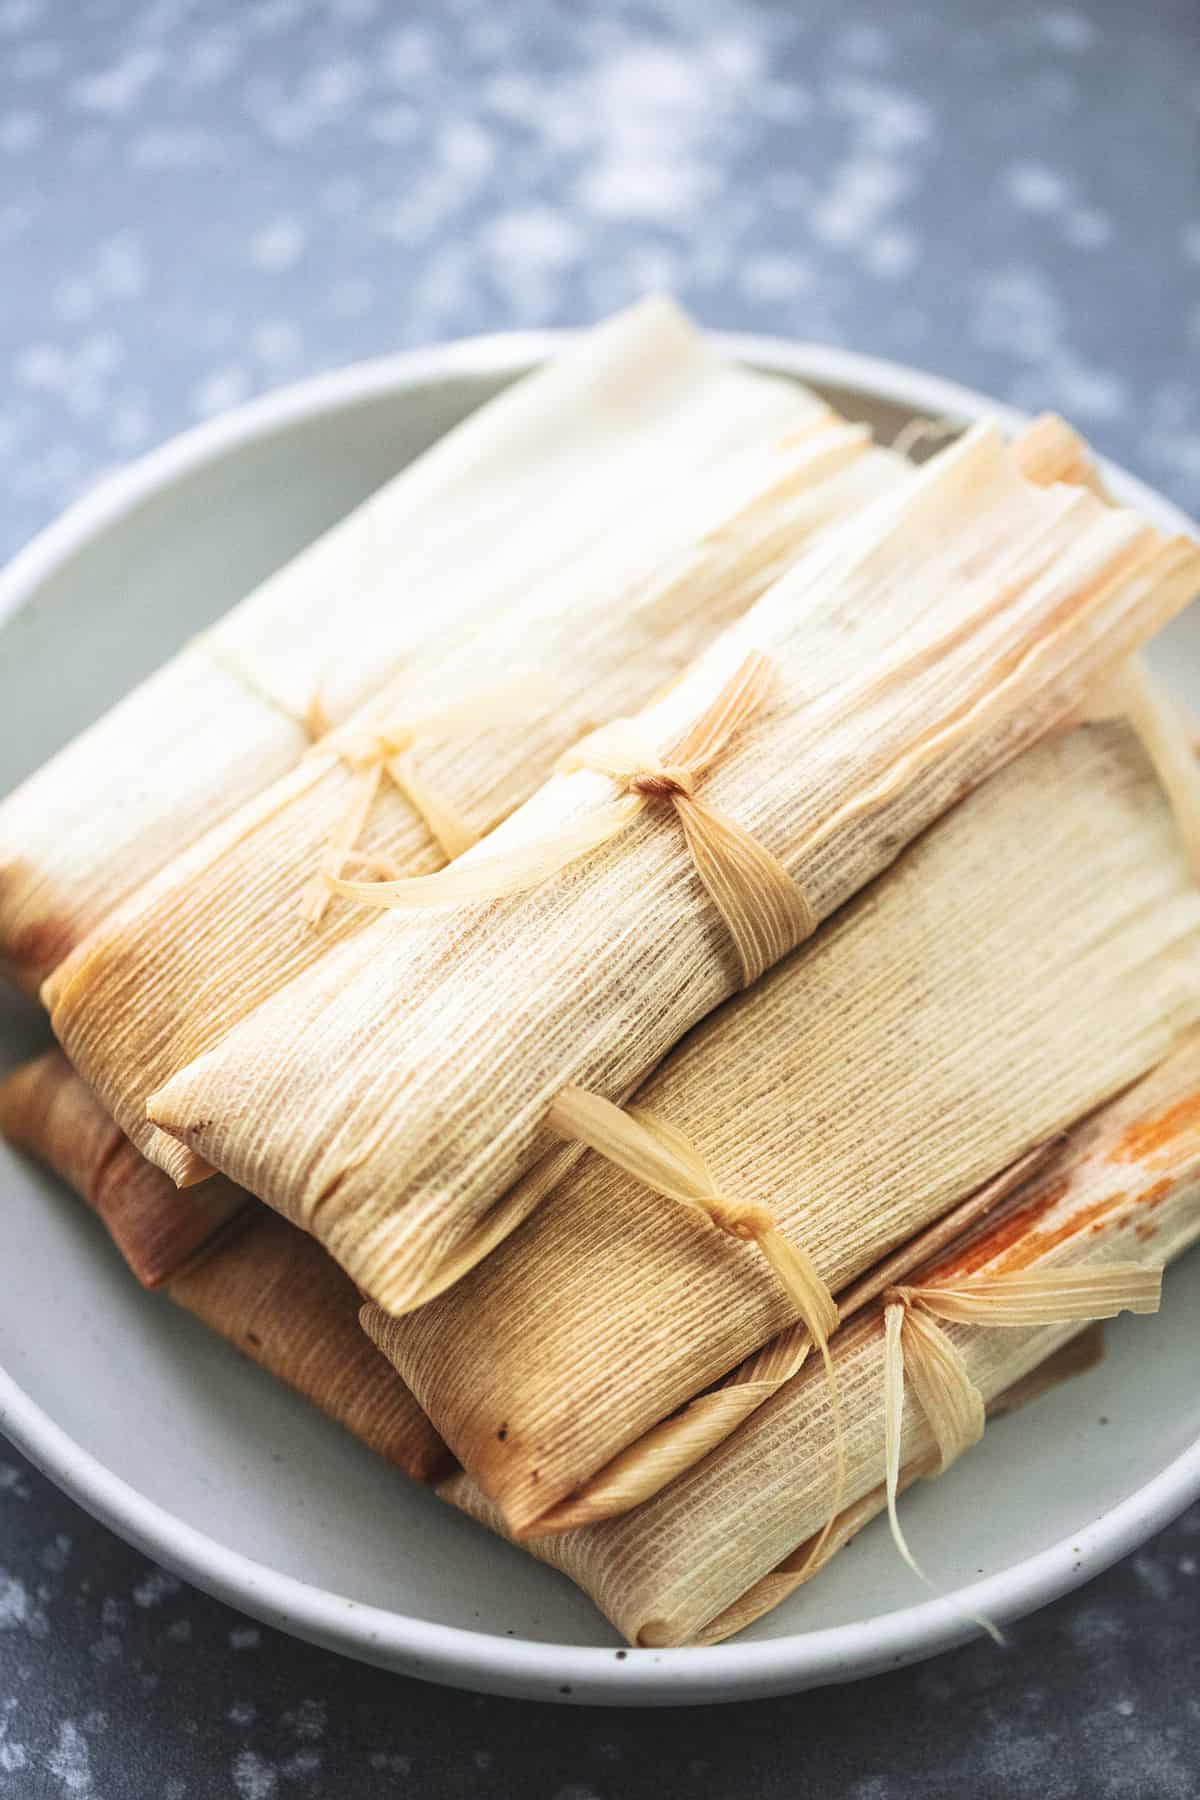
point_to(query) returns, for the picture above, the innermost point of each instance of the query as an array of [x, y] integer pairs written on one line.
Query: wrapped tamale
[[984, 993], [275, 1295], [735, 1535], [247, 1274], [232, 919], [521, 487], [47, 1110], [388, 1099]]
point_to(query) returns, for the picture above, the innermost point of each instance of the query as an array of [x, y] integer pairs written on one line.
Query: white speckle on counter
[[116, 90], [254, 1778], [56, 1555], [1154, 1576], [1017, 311], [220, 390], [278, 246], [70, 1762], [307, 1721], [154, 1588], [1066, 29], [1035, 188], [18, 1611], [245, 1637], [1087, 228], [277, 341]]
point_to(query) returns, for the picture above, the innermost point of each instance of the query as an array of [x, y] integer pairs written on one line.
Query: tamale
[[977, 999], [48, 1111], [276, 1296], [247, 1274], [519, 488], [388, 1099], [222, 927], [733, 1537]]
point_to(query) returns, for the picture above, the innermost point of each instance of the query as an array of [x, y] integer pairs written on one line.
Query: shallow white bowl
[[214, 1470]]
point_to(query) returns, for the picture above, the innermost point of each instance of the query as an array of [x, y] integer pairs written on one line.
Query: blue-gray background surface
[[202, 198]]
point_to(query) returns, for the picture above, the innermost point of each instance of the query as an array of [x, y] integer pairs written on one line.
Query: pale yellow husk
[[388, 1100], [978, 998], [246, 1273], [525, 484], [230, 921], [728, 1539]]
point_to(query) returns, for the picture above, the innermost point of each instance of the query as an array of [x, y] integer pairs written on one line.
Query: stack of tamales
[[690, 924]]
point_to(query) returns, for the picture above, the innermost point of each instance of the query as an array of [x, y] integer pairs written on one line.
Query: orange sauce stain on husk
[[1152, 1141]]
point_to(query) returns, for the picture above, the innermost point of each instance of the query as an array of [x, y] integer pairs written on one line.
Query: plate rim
[[455, 1655]]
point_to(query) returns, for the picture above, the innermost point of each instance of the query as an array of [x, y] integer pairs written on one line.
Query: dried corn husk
[[246, 1273], [389, 1099], [223, 926], [275, 1295], [47, 1110], [517, 490], [730, 1538], [981, 996]]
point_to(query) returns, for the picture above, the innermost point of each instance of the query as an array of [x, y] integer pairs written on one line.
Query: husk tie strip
[[916, 1349], [654, 1460], [386, 748], [763, 909], [655, 1153]]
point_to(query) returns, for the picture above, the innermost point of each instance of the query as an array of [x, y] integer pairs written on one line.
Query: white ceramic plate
[[213, 1469]]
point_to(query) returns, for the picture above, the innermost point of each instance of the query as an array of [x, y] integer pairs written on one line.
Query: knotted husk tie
[[763, 909], [386, 748], [677, 1443], [655, 1153], [916, 1348]]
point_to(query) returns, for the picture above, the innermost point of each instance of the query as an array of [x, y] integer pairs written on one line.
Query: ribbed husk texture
[[732, 1537], [246, 1273], [979, 997], [532, 480], [223, 926], [388, 1099]]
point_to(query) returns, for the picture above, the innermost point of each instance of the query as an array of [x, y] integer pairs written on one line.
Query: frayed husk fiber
[[225, 925], [731, 1538], [532, 480], [981, 996], [244, 1272], [387, 1100]]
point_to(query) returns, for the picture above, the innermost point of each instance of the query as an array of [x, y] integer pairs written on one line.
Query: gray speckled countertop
[[202, 198]]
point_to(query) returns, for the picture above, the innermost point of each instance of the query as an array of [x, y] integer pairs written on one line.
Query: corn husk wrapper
[[388, 1100], [520, 488], [48, 1111], [977, 999], [734, 1536], [274, 1294], [223, 926], [246, 1273]]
